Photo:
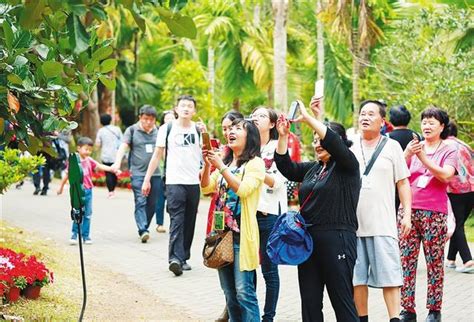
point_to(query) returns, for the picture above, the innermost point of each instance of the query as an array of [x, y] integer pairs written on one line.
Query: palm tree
[[358, 24], [280, 13]]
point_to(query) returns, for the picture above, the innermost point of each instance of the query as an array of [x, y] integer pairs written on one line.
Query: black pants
[[182, 206], [110, 178], [331, 265], [462, 206]]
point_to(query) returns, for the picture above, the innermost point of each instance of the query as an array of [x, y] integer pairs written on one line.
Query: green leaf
[[15, 79], [22, 39], [164, 12], [20, 61], [178, 4], [127, 3], [72, 125], [78, 9], [2, 125], [102, 53], [109, 83], [181, 26], [48, 125], [78, 36], [108, 65], [98, 12], [55, 5], [42, 50], [8, 32], [139, 20], [32, 14], [52, 68]]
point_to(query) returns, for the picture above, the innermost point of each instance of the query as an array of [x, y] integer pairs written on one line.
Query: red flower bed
[[124, 181], [20, 271]]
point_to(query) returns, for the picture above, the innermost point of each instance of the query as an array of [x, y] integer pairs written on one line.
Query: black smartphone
[[294, 107]]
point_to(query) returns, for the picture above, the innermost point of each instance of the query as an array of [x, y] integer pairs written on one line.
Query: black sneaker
[[176, 268], [144, 237], [44, 192], [37, 190], [433, 316], [406, 316]]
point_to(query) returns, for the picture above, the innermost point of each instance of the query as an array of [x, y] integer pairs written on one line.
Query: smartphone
[[218, 223], [319, 88], [206, 141], [215, 143], [294, 107], [415, 137]]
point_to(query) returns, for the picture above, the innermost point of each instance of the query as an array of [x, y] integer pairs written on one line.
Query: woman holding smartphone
[[238, 179], [432, 164], [273, 202], [332, 184]]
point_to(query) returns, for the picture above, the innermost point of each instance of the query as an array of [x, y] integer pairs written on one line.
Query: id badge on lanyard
[[423, 181]]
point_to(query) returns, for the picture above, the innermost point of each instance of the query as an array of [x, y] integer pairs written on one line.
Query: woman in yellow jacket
[[238, 179]]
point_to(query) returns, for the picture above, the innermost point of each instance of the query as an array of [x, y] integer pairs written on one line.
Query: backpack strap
[[168, 130]]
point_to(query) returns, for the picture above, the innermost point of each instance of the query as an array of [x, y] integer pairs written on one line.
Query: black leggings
[[331, 265], [110, 178], [462, 206]]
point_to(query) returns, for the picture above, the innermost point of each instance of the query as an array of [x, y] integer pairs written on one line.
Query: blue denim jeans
[[239, 291], [86, 220], [144, 206], [269, 270], [160, 204]]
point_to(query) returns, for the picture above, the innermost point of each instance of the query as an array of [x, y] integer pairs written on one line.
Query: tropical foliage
[[222, 51]]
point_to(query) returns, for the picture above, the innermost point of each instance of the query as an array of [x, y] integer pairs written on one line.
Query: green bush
[[14, 167]]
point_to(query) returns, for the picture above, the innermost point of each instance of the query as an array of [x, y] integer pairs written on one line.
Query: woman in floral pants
[[432, 163]]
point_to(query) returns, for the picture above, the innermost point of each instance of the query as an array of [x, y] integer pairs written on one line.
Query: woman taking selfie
[[273, 202], [331, 187], [238, 180], [432, 164]]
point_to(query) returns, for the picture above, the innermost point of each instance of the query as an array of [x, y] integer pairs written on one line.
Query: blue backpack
[[289, 242]]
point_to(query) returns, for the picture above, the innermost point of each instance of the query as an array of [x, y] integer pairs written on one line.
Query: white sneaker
[[160, 229], [73, 241], [88, 241]]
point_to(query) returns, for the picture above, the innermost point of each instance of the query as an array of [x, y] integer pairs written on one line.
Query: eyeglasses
[[258, 116]]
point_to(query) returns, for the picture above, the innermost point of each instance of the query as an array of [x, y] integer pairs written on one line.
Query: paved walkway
[[197, 293]]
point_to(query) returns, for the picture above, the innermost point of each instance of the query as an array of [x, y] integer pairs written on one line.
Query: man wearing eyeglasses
[[378, 254]]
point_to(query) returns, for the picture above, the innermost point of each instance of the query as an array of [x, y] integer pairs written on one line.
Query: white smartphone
[[319, 88]]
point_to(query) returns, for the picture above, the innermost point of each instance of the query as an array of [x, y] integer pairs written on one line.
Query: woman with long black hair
[[238, 179]]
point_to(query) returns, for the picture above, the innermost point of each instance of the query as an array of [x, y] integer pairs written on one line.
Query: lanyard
[[431, 158]]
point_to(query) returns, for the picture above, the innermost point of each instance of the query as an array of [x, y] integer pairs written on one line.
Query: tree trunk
[[280, 13], [211, 72], [355, 76], [320, 50], [236, 104], [135, 50], [90, 119]]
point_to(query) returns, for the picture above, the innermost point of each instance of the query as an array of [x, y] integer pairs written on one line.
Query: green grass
[[469, 228], [55, 302]]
